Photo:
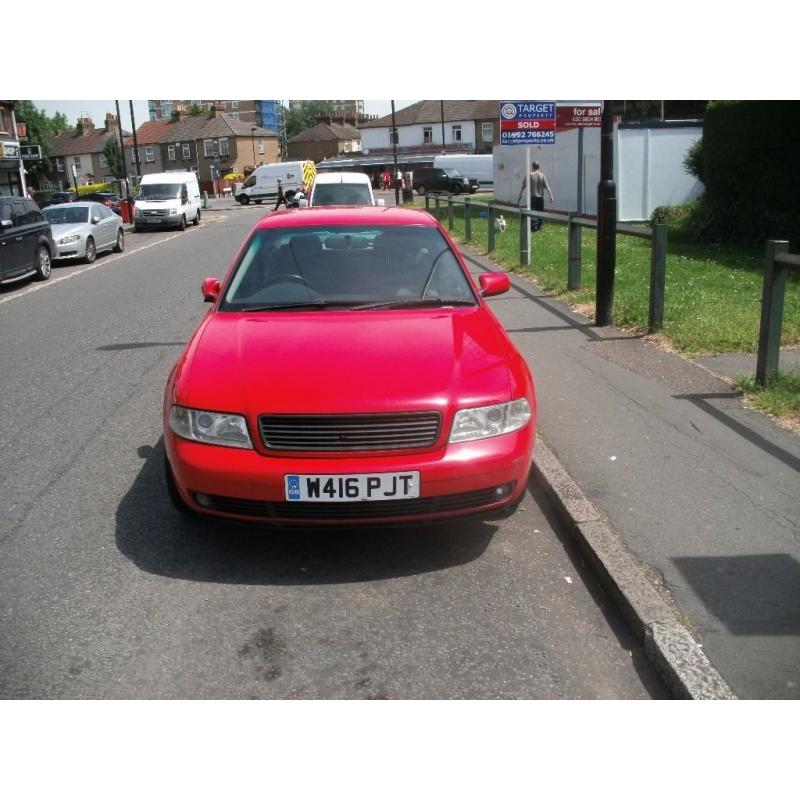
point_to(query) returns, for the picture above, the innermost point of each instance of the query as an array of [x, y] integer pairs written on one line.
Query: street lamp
[[252, 139]]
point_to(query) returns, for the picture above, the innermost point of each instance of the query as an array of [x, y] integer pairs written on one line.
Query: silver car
[[82, 230]]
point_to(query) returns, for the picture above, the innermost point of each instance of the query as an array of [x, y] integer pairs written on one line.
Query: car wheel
[[175, 498], [120, 245], [182, 226], [420, 189], [244, 199], [257, 202], [43, 263], [456, 189], [196, 220], [91, 251]]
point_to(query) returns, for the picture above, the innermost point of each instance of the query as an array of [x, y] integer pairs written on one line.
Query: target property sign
[[530, 122]]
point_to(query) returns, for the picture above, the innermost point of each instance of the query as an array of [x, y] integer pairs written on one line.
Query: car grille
[[312, 433], [156, 213], [362, 510]]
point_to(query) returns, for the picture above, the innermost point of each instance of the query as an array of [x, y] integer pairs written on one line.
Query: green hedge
[[751, 170]]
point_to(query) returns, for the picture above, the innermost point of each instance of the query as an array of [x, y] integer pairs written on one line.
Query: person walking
[[538, 183]]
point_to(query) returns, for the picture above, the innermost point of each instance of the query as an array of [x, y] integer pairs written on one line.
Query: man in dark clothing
[[538, 185]]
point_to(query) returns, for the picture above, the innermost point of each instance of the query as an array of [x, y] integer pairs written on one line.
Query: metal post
[[490, 231], [658, 276], [394, 148], [580, 171], [449, 213], [467, 219], [524, 239], [574, 263], [124, 175], [436, 200], [606, 221], [769, 337], [253, 141], [427, 202], [441, 109], [135, 142]]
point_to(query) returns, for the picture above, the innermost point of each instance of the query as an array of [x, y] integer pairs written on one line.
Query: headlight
[[137, 212], [229, 430], [173, 212], [68, 239], [480, 423]]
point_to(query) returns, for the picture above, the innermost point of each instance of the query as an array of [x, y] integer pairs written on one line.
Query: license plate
[[154, 221], [352, 488]]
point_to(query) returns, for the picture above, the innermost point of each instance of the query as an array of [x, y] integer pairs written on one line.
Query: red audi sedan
[[349, 371]]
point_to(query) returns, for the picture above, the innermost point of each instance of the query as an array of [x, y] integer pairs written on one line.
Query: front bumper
[[71, 250], [469, 478]]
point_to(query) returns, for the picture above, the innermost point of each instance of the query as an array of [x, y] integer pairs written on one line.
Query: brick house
[[323, 140], [82, 148], [148, 139]]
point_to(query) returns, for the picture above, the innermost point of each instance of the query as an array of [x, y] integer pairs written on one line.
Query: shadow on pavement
[[701, 402], [160, 541], [755, 595]]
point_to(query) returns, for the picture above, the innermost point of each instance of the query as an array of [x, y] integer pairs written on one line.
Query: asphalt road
[[107, 593]]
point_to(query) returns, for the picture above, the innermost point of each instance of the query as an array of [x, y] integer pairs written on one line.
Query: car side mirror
[[95, 220], [493, 283], [380, 202], [211, 289], [6, 223]]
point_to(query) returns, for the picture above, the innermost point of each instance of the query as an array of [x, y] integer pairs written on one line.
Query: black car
[[432, 179], [26, 241], [108, 199], [54, 199]]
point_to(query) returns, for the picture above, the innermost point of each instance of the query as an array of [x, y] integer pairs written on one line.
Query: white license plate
[[154, 221], [352, 488]]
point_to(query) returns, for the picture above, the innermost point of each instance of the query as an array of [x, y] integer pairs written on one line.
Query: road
[[107, 593]]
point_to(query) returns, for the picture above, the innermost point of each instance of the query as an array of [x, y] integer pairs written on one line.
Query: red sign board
[[578, 116], [527, 124]]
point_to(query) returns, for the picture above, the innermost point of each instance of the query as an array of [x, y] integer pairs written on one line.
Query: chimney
[[111, 122], [86, 123]]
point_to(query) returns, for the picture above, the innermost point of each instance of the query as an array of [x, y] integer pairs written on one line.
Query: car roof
[[347, 215], [83, 204], [341, 177]]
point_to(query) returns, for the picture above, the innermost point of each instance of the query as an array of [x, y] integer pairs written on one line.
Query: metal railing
[[657, 234], [778, 264]]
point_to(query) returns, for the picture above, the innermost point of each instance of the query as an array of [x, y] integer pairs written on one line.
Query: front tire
[[244, 199], [456, 189], [257, 202], [196, 220], [43, 263], [182, 225], [91, 251], [120, 245], [175, 498], [420, 189]]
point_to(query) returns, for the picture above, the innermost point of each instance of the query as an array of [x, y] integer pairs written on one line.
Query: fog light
[[203, 500], [503, 491]]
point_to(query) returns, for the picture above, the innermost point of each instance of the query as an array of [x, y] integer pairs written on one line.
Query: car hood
[[338, 362], [67, 229]]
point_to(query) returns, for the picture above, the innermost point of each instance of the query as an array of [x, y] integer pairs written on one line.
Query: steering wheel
[[286, 279]]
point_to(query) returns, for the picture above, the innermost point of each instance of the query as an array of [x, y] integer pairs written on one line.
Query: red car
[[349, 371]]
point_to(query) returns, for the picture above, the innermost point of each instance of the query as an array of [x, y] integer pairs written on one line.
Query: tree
[[39, 127], [304, 115], [195, 110], [116, 163]]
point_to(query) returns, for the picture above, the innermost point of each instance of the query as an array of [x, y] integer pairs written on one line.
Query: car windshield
[[453, 173], [347, 267], [341, 194], [159, 191], [69, 215]]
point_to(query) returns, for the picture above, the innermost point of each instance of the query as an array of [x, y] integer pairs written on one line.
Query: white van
[[263, 183], [343, 189], [167, 199], [479, 167]]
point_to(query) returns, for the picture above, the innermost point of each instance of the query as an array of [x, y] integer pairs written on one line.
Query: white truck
[[343, 189], [167, 199], [262, 185], [479, 167]]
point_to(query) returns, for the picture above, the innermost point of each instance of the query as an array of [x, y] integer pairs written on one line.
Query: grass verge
[[779, 397]]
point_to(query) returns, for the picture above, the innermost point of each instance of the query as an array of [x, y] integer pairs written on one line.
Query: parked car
[[55, 198], [349, 371], [108, 199], [262, 184], [167, 199], [82, 230], [343, 189], [26, 242], [432, 179]]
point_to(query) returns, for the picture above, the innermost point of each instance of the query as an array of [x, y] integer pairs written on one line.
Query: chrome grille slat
[[349, 432]]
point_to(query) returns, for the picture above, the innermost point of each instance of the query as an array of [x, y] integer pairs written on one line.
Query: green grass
[[712, 294], [780, 397]]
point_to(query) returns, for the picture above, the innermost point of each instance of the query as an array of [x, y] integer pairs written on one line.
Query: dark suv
[[431, 179], [26, 241]]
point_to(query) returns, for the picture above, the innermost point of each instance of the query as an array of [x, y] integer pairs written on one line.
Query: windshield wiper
[[295, 306], [415, 303]]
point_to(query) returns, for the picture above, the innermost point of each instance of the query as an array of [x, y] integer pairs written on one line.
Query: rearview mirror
[[211, 289], [493, 283]]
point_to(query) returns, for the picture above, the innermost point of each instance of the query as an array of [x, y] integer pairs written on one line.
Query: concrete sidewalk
[[703, 491]]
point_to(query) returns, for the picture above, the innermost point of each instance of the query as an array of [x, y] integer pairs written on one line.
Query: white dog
[[500, 223]]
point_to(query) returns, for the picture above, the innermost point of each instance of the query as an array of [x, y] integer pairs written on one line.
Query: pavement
[[699, 493]]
